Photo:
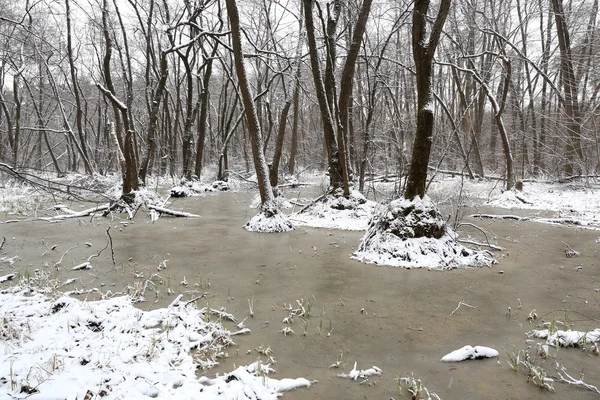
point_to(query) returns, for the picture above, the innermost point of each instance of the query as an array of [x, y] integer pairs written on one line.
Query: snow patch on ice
[[335, 211], [65, 348], [470, 353]]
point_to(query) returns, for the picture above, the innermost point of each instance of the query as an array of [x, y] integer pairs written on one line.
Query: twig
[[460, 303], [3, 241], [112, 250], [61, 257], [491, 246], [203, 295], [562, 373], [484, 234], [99, 252]]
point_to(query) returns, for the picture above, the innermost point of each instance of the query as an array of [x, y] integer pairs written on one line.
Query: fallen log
[[173, 213], [78, 214]]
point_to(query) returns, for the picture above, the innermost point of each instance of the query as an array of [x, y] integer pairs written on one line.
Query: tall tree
[[268, 206], [121, 115], [423, 52], [571, 101]]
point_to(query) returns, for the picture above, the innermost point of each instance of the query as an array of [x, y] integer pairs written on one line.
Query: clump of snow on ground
[[65, 349], [413, 234], [578, 200], [561, 338], [270, 219], [335, 211], [362, 373], [470, 353]]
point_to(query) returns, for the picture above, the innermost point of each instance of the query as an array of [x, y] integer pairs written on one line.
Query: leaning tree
[[270, 218]]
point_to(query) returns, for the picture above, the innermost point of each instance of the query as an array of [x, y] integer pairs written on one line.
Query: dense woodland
[[150, 87]]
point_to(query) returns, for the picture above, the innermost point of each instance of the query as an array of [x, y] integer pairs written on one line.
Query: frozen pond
[[396, 319]]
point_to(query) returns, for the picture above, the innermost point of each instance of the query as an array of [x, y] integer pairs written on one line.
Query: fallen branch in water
[[173, 213], [553, 221], [78, 214]]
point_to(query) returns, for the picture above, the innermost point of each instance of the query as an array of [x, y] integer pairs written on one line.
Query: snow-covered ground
[[64, 348], [337, 212], [577, 201]]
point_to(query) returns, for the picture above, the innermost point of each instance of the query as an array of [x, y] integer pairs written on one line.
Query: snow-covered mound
[[69, 349], [511, 199], [335, 211], [270, 219], [413, 234], [470, 353]]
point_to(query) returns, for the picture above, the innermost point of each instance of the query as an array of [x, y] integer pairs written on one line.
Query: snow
[[64, 348], [362, 374], [7, 277], [269, 220], [579, 200], [561, 338], [470, 353], [337, 212], [197, 188], [412, 234]]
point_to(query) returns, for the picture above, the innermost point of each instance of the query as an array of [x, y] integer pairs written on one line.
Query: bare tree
[[268, 207], [571, 101], [423, 52]]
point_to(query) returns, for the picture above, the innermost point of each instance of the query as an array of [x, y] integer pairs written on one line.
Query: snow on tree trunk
[[413, 234]]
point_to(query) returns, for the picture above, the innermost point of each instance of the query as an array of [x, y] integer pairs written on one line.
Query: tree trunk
[[423, 56], [335, 166], [254, 131], [75, 85], [571, 102], [294, 144], [129, 170], [347, 80]]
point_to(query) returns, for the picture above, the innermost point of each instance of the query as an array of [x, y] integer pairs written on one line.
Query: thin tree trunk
[[75, 86], [335, 166], [254, 131]]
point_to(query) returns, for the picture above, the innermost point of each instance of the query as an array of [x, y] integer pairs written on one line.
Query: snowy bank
[[69, 349]]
